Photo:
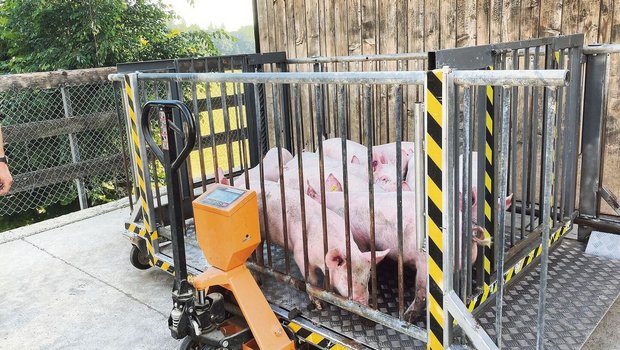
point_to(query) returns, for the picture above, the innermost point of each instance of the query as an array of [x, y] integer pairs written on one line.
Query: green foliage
[[41, 35], [242, 43], [39, 214]]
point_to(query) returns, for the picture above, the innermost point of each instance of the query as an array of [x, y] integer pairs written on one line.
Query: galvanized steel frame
[[454, 306]]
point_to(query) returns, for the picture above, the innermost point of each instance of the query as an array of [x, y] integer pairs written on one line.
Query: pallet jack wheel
[[138, 259], [189, 344]]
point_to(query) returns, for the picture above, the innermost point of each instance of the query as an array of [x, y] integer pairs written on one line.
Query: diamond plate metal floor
[[350, 325], [580, 290]]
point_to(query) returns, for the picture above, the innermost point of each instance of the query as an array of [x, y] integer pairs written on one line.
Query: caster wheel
[[138, 259], [189, 344]]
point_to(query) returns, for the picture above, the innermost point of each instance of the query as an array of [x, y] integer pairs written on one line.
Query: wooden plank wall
[[349, 27]]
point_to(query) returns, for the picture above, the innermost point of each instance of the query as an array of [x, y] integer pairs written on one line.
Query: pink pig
[[356, 153], [335, 259], [271, 170], [386, 154], [333, 169], [386, 235]]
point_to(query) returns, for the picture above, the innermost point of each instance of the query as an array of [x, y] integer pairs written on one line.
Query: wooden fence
[[305, 28]]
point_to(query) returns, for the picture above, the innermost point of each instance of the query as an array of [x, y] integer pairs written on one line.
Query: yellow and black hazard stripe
[[149, 234], [519, 266], [150, 252], [434, 200], [316, 339], [489, 192]]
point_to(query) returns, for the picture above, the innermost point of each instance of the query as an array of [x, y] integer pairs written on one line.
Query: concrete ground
[[606, 335], [68, 284], [72, 287]]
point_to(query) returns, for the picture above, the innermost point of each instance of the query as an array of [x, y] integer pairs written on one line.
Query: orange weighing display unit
[[228, 231]]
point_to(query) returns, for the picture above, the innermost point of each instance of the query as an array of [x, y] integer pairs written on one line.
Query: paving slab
[[73, 287]]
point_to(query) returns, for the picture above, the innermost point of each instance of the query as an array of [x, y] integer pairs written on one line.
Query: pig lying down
[[386, 233], [335, 259], [385, 206]]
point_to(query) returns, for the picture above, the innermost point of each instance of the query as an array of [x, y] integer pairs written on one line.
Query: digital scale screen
[[223, 197]]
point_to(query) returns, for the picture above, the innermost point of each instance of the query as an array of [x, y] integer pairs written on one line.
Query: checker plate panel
[[580, 290]]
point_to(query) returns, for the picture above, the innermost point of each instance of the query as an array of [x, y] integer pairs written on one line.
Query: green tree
[[41, 35]]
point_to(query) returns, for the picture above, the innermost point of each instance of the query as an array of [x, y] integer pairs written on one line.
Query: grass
[[219, 126]]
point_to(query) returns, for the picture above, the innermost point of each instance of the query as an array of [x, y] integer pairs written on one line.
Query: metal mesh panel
[[63, 142]]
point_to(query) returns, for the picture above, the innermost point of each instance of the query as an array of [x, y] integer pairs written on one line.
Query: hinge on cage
[[610, 198]]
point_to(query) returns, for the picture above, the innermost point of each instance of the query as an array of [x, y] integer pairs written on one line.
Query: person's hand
[[6, 180]]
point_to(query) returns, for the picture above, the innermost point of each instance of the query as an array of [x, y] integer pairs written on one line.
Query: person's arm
[[5, 175]]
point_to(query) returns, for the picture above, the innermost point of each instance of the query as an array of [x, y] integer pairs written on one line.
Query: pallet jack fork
[[227, 229]]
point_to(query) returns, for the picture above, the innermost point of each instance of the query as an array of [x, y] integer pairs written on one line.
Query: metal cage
[[517, 105]]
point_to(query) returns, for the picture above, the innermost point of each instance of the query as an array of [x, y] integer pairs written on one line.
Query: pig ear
[[334, 258], [509, 201], [376, 156], [355, 160], [221, 178], [333, 184], [379, 255], [406, 186], [310, 191]]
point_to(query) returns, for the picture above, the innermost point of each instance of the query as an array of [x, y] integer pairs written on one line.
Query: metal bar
[[201, 156], [594, 121], [420, 194], [75, 149], [534, 142], [501, 208], [466, 201], [278, 134], [319, 124], [558, 143], [371, 196], [524, 152], [359, 58], [160, 210], [596, 49], [549, 58], [449, 141], [480, 122], [456, 149], [148, 211], [550, 115], [211, 130], [302, 186], [244, 137], [514, 97], [603, 224], [468, 323], [286, 115], [346, 304], [374, 315], [399, 198], [224, 97], [342, 116], [261, 171], [555, 77], [412, 78], [125, 141]]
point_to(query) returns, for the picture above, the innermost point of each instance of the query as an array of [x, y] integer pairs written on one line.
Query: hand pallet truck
[[227, 230]]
